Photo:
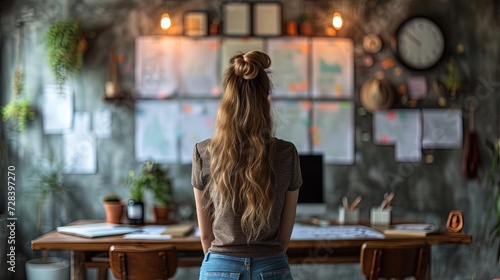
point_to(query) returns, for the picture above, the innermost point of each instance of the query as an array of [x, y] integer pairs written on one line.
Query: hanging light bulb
[[165, 21], [337, 21]]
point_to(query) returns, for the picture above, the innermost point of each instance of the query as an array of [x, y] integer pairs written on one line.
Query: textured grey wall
[[426, 191]]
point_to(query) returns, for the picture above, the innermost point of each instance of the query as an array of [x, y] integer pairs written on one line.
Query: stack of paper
[[149, 232], [411, 230], [161, 231]]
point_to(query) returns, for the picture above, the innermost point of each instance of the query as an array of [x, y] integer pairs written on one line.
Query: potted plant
[[114, 208], [18, 110], [135, 203], [161, 188], [65, 47], [155, 180], [49, 185]]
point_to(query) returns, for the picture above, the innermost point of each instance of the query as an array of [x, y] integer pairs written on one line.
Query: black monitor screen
[[312, 177]]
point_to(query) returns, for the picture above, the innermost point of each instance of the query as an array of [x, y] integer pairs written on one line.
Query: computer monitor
[[311, 201]]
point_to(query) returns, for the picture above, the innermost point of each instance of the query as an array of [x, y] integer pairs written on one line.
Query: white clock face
[[419, 43]]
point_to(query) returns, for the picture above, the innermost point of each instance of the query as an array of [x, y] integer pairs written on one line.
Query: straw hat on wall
[[376, 94]]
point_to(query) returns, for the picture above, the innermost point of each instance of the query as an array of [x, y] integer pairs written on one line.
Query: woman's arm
[[288, 218], [204, 220]]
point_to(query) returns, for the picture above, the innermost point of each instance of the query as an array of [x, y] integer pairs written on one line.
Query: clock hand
[[415, 40]]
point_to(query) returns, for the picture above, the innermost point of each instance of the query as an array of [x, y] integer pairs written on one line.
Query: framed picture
[[195, 23], [236, 19], [267, 18]]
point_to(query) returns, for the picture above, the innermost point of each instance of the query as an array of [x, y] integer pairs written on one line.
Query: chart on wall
[[333, 131], [402, 128], [332, 68], [197, 123], [199, 66], [291, 119], [156, 70], [290, 60], [156, 124], [231, 46]]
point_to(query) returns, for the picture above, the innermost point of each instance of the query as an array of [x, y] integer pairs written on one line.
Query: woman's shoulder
[[202, 146], [284, 146]]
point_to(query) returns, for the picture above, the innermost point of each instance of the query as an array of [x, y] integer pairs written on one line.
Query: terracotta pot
[[114, 211], [161, 214]]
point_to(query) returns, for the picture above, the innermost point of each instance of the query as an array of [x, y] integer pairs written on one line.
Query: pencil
[[387, 200], [355, 203], [345, 203]]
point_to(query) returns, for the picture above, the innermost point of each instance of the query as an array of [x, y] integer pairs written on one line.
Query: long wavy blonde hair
[[242, 147]]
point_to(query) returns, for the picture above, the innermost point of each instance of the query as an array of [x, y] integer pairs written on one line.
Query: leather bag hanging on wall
[[470, 161]]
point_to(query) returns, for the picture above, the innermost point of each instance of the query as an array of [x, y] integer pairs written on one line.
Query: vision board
[[303, 71]]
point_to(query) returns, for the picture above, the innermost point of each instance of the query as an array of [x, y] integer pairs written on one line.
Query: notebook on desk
[[179, 230], [411, 230], [96, 230]]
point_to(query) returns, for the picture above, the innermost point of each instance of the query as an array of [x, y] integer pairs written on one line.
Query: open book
[[411, 230]]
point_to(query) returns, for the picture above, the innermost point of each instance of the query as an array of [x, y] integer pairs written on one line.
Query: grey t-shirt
[[229, 238]]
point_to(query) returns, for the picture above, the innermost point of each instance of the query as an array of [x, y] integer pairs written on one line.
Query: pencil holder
[[348, 216], [381, 216]]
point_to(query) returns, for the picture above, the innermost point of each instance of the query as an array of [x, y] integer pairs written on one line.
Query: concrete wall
[[424, 191]]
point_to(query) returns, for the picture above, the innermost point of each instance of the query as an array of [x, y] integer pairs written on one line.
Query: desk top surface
[[59, 241]]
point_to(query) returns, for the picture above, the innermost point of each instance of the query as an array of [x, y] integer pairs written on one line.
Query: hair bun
[[249, 64]]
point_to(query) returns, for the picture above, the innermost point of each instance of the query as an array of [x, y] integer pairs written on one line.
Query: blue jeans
[[224, 267]]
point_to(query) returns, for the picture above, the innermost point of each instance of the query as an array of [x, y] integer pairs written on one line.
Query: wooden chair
[[101, 268], [397, 259], [146, 262]]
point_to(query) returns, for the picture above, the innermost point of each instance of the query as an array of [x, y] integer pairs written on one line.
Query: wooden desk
[[191, 253]]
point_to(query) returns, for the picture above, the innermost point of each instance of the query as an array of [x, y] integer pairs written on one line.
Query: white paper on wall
[[81, 123], [156, 124], [156, 66], [57, 109], [333, 131], [292, 122], [332, 68], [80, 153], [402, 128], [197, 124], [199, 66], [442, 128], [290, 60], [102, 123]]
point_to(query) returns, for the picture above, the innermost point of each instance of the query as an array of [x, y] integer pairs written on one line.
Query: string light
[[165, 21], [337, 21]]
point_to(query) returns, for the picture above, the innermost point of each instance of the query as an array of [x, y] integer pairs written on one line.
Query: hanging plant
[[18, 110], [65, 44], [453, 78]]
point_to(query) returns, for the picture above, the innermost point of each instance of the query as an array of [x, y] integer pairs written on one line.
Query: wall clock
[[419, 43]]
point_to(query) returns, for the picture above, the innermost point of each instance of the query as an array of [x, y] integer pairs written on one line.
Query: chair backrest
[[146, 262], [395, 259]]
